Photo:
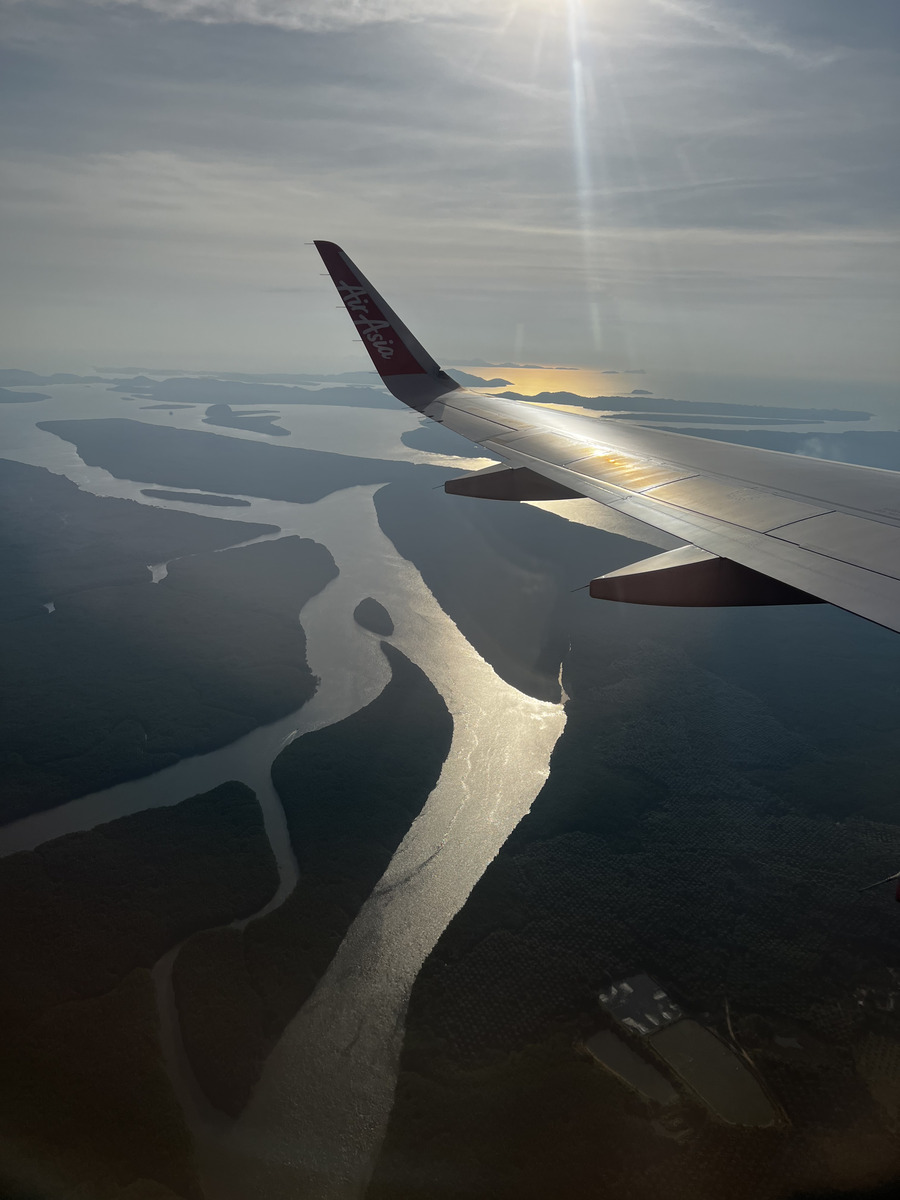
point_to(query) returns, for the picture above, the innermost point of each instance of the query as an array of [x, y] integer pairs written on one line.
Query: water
[[319, 1113], [361, 432], [351, 668]]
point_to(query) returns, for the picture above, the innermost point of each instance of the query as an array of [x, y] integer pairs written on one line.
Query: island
[[350, 793], [224, 414], [205, 390], [107, 675], [8, 397], [31, 379], [84, 1093], [373, 616], [188, 458], [196, 498], [57, 540]]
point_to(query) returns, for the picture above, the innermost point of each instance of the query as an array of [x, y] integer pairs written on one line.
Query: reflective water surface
[[722, 789], [323, 1102]]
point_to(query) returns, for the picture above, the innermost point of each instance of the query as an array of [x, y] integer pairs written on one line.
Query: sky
[[691, 188]]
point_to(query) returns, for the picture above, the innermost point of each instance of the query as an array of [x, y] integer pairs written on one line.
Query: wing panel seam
[[625, 495]]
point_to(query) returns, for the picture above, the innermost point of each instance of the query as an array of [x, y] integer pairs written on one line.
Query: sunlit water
[[319, 1113], [359, 432], [317, 1119]]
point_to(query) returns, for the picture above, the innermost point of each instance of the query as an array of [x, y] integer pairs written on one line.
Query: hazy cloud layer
[[665, 182], [741, 30], [307, 15]]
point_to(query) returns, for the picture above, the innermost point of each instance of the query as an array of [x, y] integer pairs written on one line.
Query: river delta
[[327, 819]]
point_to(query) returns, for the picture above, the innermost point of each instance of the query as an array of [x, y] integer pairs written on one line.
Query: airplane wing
[[763, 527]]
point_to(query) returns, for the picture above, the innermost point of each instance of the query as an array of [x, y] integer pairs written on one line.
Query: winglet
[[406, 367]]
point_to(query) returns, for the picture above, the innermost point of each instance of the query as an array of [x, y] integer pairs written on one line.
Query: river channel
[[315, 1123]]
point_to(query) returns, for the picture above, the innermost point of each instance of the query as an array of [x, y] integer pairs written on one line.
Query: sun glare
[[580, 95]]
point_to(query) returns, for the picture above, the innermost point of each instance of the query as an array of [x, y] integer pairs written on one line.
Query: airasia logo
[[357, 301]]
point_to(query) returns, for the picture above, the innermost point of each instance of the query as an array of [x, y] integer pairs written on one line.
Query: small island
[[8, 397], [212, 650], [196, 498], [224, 414], [254, 390], [374, 617]]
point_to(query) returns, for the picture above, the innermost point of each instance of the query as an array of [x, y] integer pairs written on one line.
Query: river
[[315, 1123]]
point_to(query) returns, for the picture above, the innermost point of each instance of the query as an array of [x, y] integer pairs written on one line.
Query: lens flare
[[580, 92]]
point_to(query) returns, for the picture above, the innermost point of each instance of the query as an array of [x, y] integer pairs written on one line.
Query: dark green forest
[[84, 1095], [127, 676], [350, 793]]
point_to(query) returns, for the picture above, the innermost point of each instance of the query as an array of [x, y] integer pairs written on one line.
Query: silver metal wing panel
[[826, 528]]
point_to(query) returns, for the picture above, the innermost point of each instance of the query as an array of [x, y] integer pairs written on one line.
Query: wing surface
[[780, 527]]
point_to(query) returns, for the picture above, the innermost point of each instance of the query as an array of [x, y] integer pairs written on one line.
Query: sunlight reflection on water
[[322, 1105], [325, 1096]]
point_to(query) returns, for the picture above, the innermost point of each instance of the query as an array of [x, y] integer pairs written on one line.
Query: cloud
[[519, 366], [316, 16], [740, 206], [737, 32]]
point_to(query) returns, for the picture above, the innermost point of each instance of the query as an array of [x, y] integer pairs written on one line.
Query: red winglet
[[391, 346]]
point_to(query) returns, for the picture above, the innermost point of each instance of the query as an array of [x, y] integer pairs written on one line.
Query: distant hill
[[30, 379]]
